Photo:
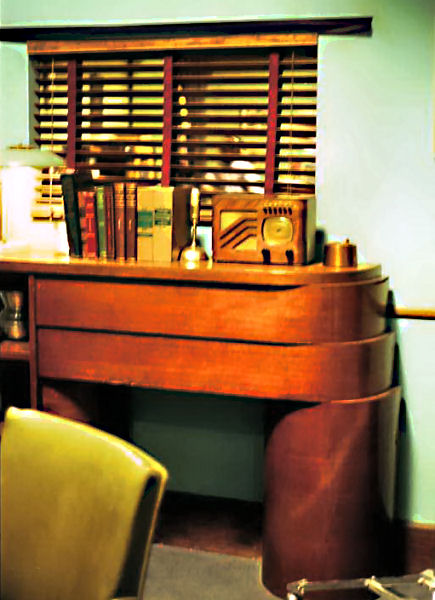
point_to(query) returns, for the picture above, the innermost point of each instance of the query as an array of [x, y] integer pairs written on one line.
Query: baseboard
[[414, 546]]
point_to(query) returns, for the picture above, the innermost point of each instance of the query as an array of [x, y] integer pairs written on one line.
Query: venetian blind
[[223, 119]]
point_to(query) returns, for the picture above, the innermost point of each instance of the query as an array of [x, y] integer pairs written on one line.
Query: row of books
[[124, 221]]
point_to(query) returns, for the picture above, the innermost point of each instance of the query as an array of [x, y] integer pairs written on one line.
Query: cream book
[[145, 223], [163, 219]]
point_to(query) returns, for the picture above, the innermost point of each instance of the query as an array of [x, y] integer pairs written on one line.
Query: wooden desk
[[312, 341]]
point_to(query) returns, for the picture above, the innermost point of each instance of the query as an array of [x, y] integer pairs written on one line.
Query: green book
[[162, 232], [101, 223]]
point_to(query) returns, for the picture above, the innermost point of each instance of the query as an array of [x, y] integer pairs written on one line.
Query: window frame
[[272, 43]]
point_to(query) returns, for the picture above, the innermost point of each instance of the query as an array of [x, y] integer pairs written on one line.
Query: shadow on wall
[[319, 245], [400, 561]]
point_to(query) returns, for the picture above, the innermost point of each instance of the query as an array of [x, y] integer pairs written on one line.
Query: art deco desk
[[309, 341]]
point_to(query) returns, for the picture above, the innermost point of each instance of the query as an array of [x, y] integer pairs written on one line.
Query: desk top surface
[[30, 261]]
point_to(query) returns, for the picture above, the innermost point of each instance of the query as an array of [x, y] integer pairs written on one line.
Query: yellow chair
[[78, 510]]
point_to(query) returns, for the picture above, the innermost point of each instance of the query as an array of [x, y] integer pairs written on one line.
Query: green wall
[[14, 97], [376, 185]]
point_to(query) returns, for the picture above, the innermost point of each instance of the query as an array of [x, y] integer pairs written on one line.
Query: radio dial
[[277, 230]]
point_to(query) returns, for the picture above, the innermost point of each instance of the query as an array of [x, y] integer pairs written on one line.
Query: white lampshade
[[21, 176], [29, 156]]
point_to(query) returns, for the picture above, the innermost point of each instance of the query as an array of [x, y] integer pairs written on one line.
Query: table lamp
[[21, 175]]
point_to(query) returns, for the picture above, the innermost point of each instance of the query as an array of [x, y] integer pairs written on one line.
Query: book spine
[[180, 220], [130, 220], [91, 224], [109, 213], [81, 199], [162, 247], [119, 203], [145, 223], [72, 217], [101, 222]]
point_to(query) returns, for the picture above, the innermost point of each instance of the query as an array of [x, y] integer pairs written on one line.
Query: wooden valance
[[267, 40]]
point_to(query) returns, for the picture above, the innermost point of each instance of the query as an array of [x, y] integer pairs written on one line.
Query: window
[[225, 118]]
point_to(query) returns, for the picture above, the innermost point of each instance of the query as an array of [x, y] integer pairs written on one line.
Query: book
[[72, 216], [101, 222], [81, 200], [130, 220], [109, 213], [72, 182], [180, 219], [162, 231], [90, 249], [119, 208], [163, 225], [145, 223]]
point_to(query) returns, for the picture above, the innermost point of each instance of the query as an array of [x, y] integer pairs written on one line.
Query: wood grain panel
[[12, 350], [305, 372], [33, 358], [335, 312], [334, 466], [22, 261]]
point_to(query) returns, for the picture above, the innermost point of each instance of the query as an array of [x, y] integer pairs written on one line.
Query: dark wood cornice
[[327, 26]]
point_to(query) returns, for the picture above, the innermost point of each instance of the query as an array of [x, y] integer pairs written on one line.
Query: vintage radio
[[252, 228]]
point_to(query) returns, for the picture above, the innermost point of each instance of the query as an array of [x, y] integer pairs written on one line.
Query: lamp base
[[193, 253]]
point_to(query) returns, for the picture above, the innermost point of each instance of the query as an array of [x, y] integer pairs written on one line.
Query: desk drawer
[[307, 372], [309, 313]]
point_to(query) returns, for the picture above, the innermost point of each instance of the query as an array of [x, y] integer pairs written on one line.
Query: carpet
[[183, 574]]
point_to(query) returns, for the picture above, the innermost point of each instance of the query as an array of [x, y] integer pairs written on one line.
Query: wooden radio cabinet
[[311, 342]]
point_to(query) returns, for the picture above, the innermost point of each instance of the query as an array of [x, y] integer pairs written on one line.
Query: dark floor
[[211, 524], [181, 574]]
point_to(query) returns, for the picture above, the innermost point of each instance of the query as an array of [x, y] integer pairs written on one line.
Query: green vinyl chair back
[[78, 510]]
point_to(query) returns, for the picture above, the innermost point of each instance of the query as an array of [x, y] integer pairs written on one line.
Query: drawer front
[[313, 313], [306, 372]]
